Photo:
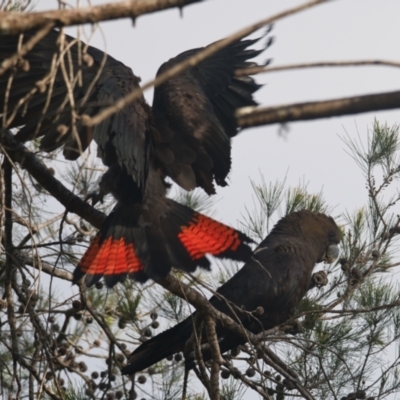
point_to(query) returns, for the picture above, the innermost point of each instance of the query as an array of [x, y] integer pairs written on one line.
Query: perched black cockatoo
[[276, 277], [185, 135]]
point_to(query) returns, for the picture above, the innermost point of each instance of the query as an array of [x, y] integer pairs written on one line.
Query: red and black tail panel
[[112, 253], [203, 235], [191, 236], [145, 245]]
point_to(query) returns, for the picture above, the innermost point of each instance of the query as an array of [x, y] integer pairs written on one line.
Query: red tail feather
[[109, 258], [206, 236]]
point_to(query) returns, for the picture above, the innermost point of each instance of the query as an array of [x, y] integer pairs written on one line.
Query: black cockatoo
[[185, 135], [276, 277]]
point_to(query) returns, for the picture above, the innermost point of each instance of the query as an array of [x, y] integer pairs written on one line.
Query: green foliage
[[197, 200], [129, 303], [299, 199], [233, 390], [275, 199]]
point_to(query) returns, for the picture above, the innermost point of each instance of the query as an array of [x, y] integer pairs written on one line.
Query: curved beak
[[332, 253]]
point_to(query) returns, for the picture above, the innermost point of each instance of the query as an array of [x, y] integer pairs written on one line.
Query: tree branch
[[192, 61], [261, 69], [17, 22], [209, 324], [194, 343], [25, 48], [47, 268], [19, 153], [10, 274], [99, 318], [318, 109]]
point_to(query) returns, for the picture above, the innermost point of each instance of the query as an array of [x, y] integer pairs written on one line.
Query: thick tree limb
[[318, 109], [16, 22], [19, 153]]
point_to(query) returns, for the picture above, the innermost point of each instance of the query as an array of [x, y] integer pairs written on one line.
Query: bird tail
[[146, 243], [165, 344], [173, 341]]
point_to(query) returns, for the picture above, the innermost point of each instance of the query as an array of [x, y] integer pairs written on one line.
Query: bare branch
[[9, 272], [209, 324], [17, 22], [195, 342], [19, 153], [318, 109], [192, 61], [279, 68], [48, 268], [28, 46]]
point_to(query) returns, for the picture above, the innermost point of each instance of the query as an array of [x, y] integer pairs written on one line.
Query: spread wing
[[60, 80], [194, 113]]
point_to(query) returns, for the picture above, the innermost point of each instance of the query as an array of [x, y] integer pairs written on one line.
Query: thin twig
[[279, 68], [26, 48]]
